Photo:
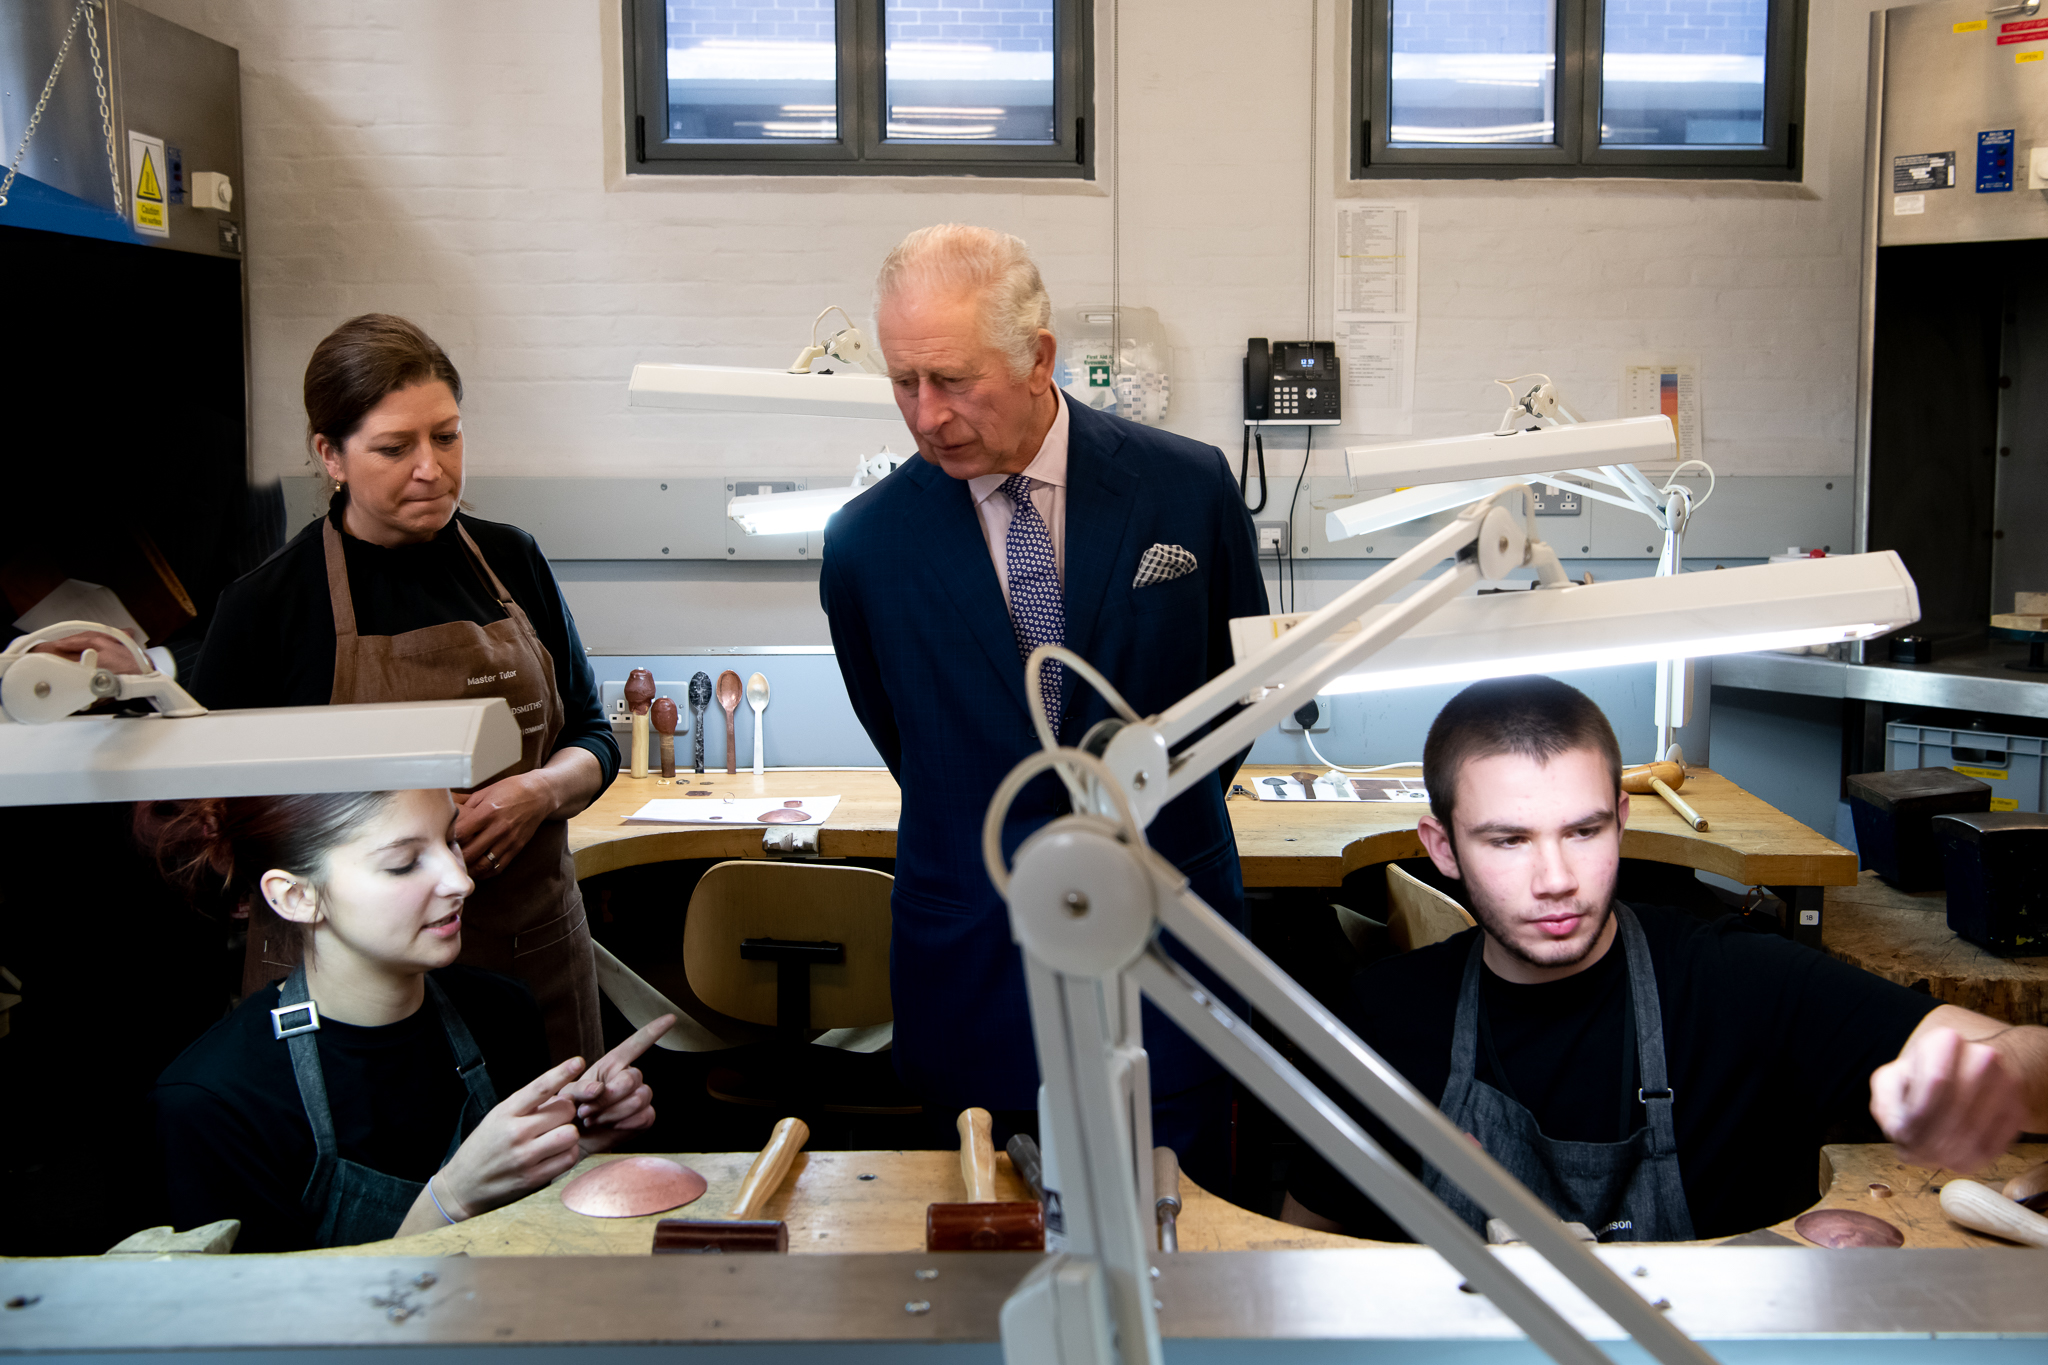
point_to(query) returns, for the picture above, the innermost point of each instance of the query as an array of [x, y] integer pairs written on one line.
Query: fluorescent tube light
[[268, 752], [1633, 620], [732, 388], [775, 514]]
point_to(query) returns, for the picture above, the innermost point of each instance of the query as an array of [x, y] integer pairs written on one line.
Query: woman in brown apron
[[414, 603]]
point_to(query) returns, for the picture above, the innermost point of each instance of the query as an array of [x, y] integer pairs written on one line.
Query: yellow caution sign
[[1970, 26], [146, 185]]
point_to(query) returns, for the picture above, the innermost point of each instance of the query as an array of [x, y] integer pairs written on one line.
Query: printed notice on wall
[[1671, 388], [146, 194], [1373, 308]]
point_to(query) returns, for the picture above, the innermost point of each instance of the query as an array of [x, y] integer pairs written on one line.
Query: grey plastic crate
[[2016, 766]]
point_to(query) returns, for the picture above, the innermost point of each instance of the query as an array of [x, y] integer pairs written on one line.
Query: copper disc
[[632, 1187], [794, 805], [1846, 1228], [784, 816]]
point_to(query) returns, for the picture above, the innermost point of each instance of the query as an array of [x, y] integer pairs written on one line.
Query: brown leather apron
[[528, 920]]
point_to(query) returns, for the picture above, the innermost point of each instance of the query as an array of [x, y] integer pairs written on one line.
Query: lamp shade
[[1539, 450], [267, 752], [1631, 620], [730, 388]]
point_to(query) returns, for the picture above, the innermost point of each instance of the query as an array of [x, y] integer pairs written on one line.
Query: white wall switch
[[211, 190], [2037, 168]]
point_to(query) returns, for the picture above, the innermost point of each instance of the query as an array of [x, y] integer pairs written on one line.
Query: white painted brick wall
[[446, 159]]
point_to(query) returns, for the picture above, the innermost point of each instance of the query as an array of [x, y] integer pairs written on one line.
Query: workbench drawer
[[2012, 764]]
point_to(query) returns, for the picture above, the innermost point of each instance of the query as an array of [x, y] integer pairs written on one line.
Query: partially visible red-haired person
[[380, 1090], [396, 595]]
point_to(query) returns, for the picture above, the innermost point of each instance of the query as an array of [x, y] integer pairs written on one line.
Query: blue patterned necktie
[[1037, 612]]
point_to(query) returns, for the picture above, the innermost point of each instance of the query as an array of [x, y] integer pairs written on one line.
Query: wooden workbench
[[831, 1206], [1904, 936], [1281, 843]]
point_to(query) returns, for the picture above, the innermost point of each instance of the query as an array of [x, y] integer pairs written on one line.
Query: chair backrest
[[754, 898], [1418, 914]]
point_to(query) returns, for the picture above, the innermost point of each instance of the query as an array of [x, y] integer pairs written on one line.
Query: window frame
[[862, 96], [1577, 153]]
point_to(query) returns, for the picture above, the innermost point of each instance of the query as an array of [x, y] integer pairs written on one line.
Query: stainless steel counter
[[1974, 1305], [1978, 681]]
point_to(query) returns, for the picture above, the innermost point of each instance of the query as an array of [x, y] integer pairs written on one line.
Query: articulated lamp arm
[[1087, 900]]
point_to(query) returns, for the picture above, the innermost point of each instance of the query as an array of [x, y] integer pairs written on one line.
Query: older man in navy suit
[[1029, 519]]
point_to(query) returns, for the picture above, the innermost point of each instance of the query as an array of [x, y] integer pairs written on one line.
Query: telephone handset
[[1291, 383]]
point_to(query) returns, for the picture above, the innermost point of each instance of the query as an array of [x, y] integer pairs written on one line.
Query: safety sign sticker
[[2025, 31], [1923, 171], [146, 186]]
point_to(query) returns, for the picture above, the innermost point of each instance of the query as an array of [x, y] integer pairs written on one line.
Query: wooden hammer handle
[[1677, 803], [1984, 1209], [770, 1168], [977, 1156]]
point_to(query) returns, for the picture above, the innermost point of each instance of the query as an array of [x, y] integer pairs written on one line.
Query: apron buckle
[[288, 1021], [1645, 1096]]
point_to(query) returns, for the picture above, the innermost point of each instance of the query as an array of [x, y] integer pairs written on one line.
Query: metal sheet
[[1942, 88]]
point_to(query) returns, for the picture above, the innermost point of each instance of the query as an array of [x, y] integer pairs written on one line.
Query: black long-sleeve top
[[272, 638]]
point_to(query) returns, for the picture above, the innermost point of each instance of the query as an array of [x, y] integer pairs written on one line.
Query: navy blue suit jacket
[[931, 664]]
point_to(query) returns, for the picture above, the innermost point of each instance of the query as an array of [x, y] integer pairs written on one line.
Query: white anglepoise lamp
[[838, 377], [1088, 899], [50, 756], [1594, 460]]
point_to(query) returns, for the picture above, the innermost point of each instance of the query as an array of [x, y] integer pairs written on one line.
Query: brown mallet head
[[1013, 1225], [684, 1236], [665, 716], [639, 690]]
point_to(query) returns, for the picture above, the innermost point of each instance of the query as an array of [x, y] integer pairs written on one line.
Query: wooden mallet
[[742, 1228], [639, 692], [665, 717], [1664, 779], [983, 1223]]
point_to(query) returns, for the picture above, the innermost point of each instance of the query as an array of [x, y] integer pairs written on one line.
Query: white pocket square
[[1163, 564]]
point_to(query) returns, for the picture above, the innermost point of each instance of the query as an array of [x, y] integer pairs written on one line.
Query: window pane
[[959, 71], [1684, 73], [1472, 72], [752, 72]]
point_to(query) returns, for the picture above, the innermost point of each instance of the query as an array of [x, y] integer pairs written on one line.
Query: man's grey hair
[[957, 258]]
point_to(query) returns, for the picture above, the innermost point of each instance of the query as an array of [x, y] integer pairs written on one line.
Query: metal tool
[[1166, 1196]]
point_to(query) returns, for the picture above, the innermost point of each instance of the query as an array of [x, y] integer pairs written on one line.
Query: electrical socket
[[1275, 537], [1289, 725]]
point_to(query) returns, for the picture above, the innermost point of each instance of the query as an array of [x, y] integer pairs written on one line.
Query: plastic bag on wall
[[1115, 361]]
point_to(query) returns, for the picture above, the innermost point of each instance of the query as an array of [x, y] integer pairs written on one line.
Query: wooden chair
[[802, 949], [1418, 914]]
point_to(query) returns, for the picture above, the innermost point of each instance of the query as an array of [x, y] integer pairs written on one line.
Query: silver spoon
[[757, 697]]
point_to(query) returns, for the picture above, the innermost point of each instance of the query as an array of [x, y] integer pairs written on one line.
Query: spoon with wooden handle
[[729, 690], [1308, 784]]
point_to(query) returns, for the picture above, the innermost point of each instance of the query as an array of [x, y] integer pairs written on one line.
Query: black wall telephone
[[1291, 383]]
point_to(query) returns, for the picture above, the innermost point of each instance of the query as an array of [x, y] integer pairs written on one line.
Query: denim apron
[[353, 1203], [1624, 1191]]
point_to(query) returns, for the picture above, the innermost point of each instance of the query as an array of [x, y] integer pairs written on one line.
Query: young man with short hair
[[1646, 1073]]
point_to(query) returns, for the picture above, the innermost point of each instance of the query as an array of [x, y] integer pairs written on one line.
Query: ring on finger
[[491, 858]]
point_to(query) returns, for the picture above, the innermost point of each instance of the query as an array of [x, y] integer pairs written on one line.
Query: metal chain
[[51, 84], [99, 78]]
